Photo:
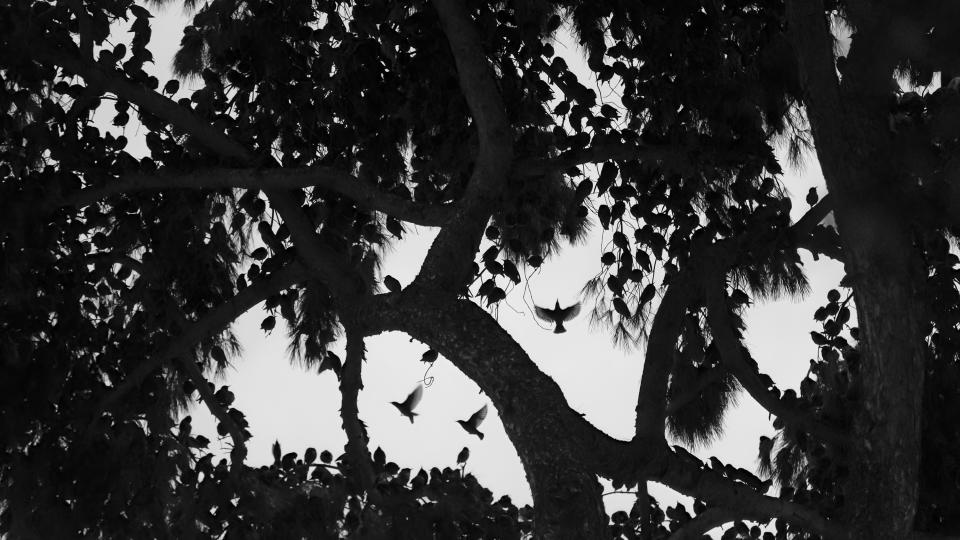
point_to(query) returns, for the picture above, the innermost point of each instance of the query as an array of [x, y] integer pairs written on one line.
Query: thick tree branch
[[809, 33], [448, 264], [327, 178], [658, 360], [805, 225], [344, 283], [705, 521], [807, 233], [309, 246], [721, 327], [539, 421], [212, 321], [716, 490]]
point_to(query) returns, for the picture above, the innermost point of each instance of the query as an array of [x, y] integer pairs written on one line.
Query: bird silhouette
[[471, 424], [408, 405], [558, 315], [463, 456]]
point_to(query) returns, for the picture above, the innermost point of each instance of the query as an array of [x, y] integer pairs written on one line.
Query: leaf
[[496, 295], [621, 307], [648, 293], [171, 87], [216, 352], [510, 270], [608, 173], [310, 455], [603, 214]]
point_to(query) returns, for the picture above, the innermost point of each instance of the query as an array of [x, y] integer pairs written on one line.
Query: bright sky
[[300, 409]]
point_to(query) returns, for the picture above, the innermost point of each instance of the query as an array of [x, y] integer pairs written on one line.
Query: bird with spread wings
[[558, 315]]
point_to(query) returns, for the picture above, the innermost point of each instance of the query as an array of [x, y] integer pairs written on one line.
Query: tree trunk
[[567, 502], [882, 489], [862, 167]]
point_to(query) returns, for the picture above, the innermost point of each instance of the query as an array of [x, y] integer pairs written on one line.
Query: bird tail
[[412, 414], [559, 329]]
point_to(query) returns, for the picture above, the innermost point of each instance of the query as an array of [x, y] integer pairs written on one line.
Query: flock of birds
[[557, 315]]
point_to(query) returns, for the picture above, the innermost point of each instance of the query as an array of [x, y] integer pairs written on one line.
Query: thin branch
[[731, 353], [193, 372], [212, 321], [614, 152], [366, 195], [351, 383]]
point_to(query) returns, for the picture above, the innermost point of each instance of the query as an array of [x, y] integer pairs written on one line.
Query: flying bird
[[558, 315], [408, 405], [471, 424]]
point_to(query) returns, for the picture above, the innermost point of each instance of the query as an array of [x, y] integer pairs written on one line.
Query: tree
[[321, 128]]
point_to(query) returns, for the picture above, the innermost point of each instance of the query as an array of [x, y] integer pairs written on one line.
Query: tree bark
[[860, 166]]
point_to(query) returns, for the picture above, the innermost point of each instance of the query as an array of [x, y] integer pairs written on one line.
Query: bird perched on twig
[[407, 406], [471, 424], [558, 315]]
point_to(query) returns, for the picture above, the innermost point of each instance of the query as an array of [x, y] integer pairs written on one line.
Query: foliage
[[318, 130]]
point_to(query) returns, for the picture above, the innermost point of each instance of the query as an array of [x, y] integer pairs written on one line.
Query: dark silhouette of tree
[[320, 129]]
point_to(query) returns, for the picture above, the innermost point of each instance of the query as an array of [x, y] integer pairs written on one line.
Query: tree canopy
[[321, 130]]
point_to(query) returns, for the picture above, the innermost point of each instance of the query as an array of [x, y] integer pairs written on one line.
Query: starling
[[407, 406], [472, 423], [558, 315]]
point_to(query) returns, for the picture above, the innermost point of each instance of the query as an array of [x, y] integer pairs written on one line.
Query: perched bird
[[392, 284], [471, 424], [463, 456], [408, 405], [558, 315], [430, 356]]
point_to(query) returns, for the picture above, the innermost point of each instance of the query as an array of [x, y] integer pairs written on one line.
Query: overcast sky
[[300, 409]]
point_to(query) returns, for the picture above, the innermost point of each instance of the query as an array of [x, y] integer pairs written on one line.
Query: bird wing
[[478, 416], [544, 313], [568, 313], [414, 398]]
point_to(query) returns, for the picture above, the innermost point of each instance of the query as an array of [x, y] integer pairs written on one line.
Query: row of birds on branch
[[471, 425]]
